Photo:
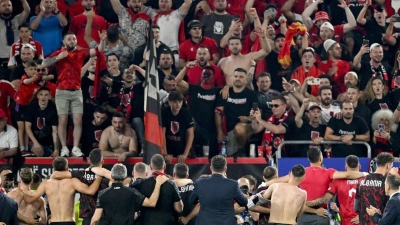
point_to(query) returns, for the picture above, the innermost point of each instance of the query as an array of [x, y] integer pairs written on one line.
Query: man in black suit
[[8, 210], [216, 195], [391, 215]]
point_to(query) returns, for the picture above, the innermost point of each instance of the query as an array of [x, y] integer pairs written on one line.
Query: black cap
[[270, 5], [194, 23], [279, 36]]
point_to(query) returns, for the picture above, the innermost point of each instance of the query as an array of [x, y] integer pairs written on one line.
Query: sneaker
[[27, 153], [64, 152], [76, 152]]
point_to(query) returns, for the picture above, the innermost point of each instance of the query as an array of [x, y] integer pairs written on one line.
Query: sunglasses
[[41, 70], [276, 105]]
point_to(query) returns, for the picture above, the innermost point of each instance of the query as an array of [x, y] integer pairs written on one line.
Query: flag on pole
[[152, 118]]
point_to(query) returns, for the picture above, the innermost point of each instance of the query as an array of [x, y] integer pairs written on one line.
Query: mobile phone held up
[[314, 81]]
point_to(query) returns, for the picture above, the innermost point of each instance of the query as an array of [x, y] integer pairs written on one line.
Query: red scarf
[[157, 173], [268, 136], [181, 34], [125, 102], [100, 66], [134, 16]]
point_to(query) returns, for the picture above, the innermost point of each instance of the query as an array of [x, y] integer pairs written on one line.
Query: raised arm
[[307, 13], [389, 32], [86, 66], [184, 9], [88, 29], [26, 11], [298, 119], [351, 21], [287, 10], [61, 18], [266, 47], [116, 5], [361, 16], [357, 59], [224, 40]]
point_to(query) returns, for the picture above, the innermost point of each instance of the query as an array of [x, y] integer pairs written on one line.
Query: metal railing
[[283, 143]]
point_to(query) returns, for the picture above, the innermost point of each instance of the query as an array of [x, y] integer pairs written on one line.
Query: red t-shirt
[[338, 77], [316, 181], [52, 88], [337, 34], [6, 90], [300, 74], [26, 91], [187, 50], [247, 43], [78, 25], [346, 191], [194, 75], [69, 68]]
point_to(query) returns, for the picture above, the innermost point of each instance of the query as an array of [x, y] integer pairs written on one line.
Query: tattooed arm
[[319, 201], [50, 61]]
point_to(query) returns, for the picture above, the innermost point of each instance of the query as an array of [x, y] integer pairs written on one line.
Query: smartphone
[[255, 106], [314, 81], [381, 127], [314, 134], [270, 12], [397, 18], [365, 42], [236, 17], [383, 106]]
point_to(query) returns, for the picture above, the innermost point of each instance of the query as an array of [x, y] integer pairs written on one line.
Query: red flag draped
[[100, 66], [284, 56]]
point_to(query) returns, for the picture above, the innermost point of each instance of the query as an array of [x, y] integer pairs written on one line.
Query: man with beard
[[79, 22], [277, 127], [236, 110], [311, 130], [188, 49], [348, 129], [328, 110], [353, 95], [350, 79], [238, 60], [41, 123], [69, 61], [317, 35], [375, 67], [265, 94], [202, 60], [129, 100], [134, 24], [9, 24], [118, 140], [165, 67], [202, 101], [26, 53], [307, 69], [371, 190], [216, 24], [47, 27], [170, 21], [334, 66], [93, 129]]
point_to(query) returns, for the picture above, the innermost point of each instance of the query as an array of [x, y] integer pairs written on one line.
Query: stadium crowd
[[231, 74]]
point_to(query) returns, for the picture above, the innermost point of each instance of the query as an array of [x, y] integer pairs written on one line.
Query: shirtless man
[[61, 194], [118, 140], [287, 200], [237, 60], [28, 213]]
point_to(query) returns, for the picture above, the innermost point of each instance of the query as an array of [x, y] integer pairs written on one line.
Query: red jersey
[[316, 182], [52, 88], [337, 34], [26, 91], [69, 68], [78, 26], [194, 75], [338, 77], [7, 90], [247, 43], [300, 74], [346, 191], [188, 49]]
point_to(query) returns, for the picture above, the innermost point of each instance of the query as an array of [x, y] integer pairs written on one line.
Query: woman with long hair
[[376, 94], [395, 73], [385, 137]]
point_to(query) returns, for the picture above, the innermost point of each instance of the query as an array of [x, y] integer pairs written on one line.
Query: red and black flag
[[152, 118]]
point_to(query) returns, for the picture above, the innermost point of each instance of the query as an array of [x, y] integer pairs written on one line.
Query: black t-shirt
[[91, 135], [88, 203], [90, 103], [216, 26], [42, 122], [176, 127], [202, 105], [371, 191], [161, 77], [277, 71], [395, 96], [17, 72], [164, 211], [357, 126], [366, 72], [119, 204], [307, 132], [363, 112], [129, 100], [384, 103], [338, 15], [185, 192], [265, 101], [237, 104]]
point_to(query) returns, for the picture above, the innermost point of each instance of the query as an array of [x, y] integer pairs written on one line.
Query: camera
[[244, 189], [9, 177]]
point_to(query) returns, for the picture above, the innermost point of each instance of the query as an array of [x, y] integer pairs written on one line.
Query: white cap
[[327, 25], [373, 46], [328, 44]]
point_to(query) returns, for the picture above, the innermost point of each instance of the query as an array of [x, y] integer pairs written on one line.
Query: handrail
[[279, 150]]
